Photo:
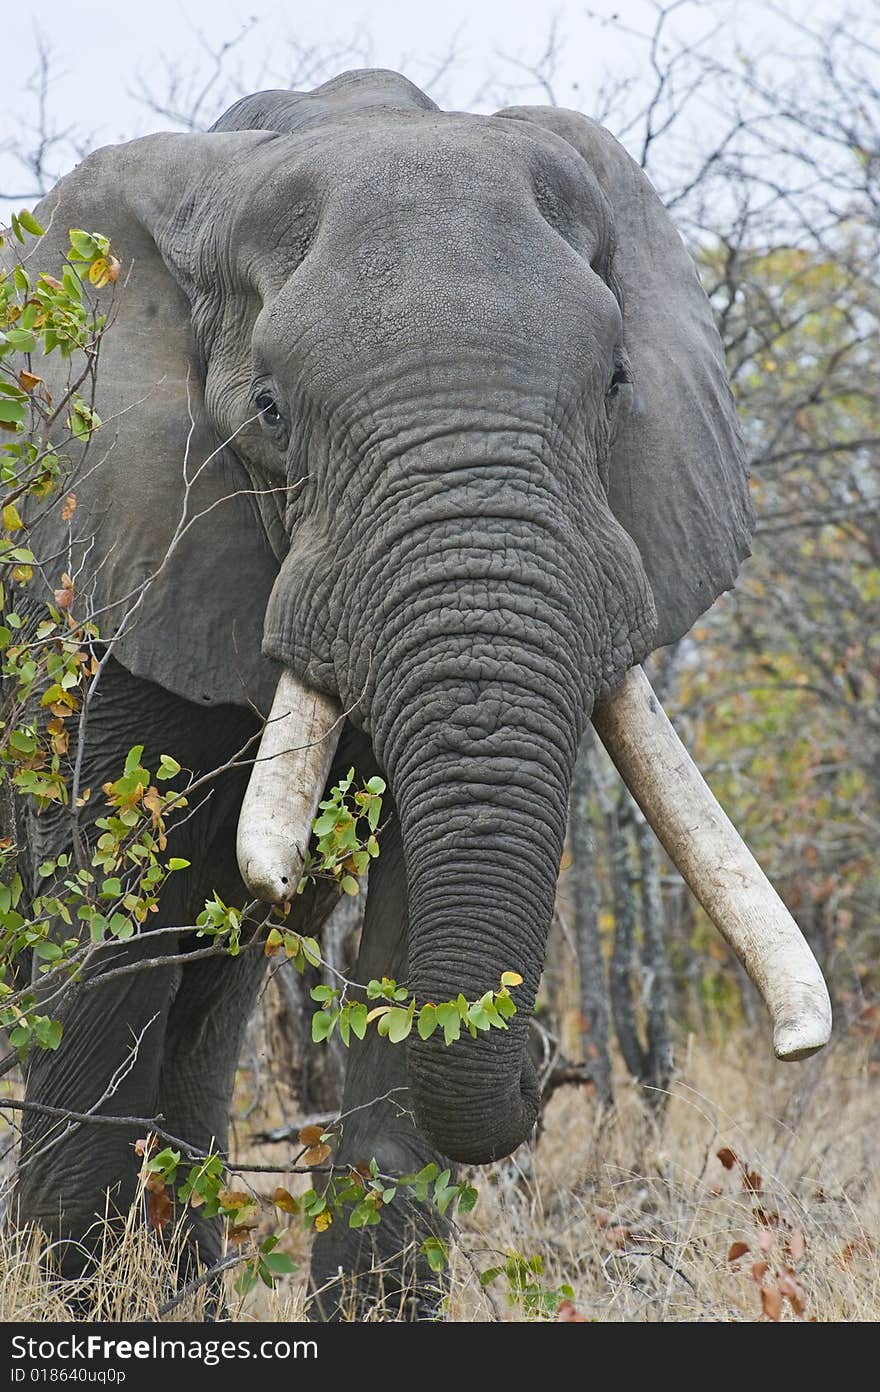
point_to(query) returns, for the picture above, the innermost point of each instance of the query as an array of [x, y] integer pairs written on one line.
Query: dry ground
[[638, 1216]]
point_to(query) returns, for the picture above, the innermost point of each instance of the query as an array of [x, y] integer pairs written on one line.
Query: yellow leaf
[[323, 1220], [11, 520], [234, 1198], [104, 270], [511, 978], [273, 943]]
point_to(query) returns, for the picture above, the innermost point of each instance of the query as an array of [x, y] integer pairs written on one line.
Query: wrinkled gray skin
[[497, 463]]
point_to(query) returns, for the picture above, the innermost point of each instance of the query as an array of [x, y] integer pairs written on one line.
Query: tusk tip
[[798, 1039], [272, 873]]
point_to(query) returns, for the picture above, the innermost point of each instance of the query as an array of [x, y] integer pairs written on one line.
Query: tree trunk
[[591, 964]]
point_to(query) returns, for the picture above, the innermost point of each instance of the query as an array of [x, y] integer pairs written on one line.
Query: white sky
[[100, 53]]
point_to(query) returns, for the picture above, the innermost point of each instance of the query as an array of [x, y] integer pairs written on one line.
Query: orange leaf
[[796, 1245], [283, 1199], [771, 1302], [759, 1271], [316, 1155], [567, 1314], [311, 1135], [752, 1181], [737, 1250], [728, 1158], [617, 1236], [69, 507], [791, 1287], [159, 1209], [237, 1235], [28, 381]]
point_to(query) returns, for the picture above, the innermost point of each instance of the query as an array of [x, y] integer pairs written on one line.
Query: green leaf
[[244, 1283], [358, 1018], [48, 1033], [311, 951], [12, 411], [428, 1021], [133, 759], [168, 767], [449, 1018], [29, 223], [505, 1005], [399, 1024], [178, 863], [48, 951], [85, 247], [436, 1252], [322, 1026], [279, 1263], [350, 885], [467, 1198], [21, 340]]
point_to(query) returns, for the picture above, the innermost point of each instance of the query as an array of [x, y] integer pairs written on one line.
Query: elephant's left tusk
[[285, 787], [704, 845]]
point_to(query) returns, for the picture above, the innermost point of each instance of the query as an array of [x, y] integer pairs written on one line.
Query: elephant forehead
[[361, 179]]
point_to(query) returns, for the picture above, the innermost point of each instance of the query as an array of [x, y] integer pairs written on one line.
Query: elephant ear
[[165, 542], [678, 476]]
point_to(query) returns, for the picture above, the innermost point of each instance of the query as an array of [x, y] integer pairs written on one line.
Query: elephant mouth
[[294, 759]]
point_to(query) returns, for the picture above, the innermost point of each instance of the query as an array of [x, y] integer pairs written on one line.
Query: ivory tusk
[[286, 785], [704, 845]]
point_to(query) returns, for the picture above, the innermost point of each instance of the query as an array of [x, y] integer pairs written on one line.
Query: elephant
[[417, 440]]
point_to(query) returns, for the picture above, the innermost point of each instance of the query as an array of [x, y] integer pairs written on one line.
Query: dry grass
[[637, 1215]]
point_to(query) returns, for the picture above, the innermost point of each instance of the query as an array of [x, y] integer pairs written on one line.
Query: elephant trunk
[[480, 772], [481, 900]]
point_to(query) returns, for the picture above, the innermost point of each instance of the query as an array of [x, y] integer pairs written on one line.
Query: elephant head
[[432, 414]]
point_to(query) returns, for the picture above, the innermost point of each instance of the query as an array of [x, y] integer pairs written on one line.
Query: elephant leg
[[355, 1271], [202, 1045], [110, 1059], [73, 1174]]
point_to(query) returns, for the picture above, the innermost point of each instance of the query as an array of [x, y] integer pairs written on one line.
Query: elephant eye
[[267, 407], [622, 377]]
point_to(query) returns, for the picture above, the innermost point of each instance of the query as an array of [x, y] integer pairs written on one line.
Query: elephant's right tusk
[[705, 846], [285, 787]]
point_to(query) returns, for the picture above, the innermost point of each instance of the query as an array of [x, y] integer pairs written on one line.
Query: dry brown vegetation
[[643, 1216]]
